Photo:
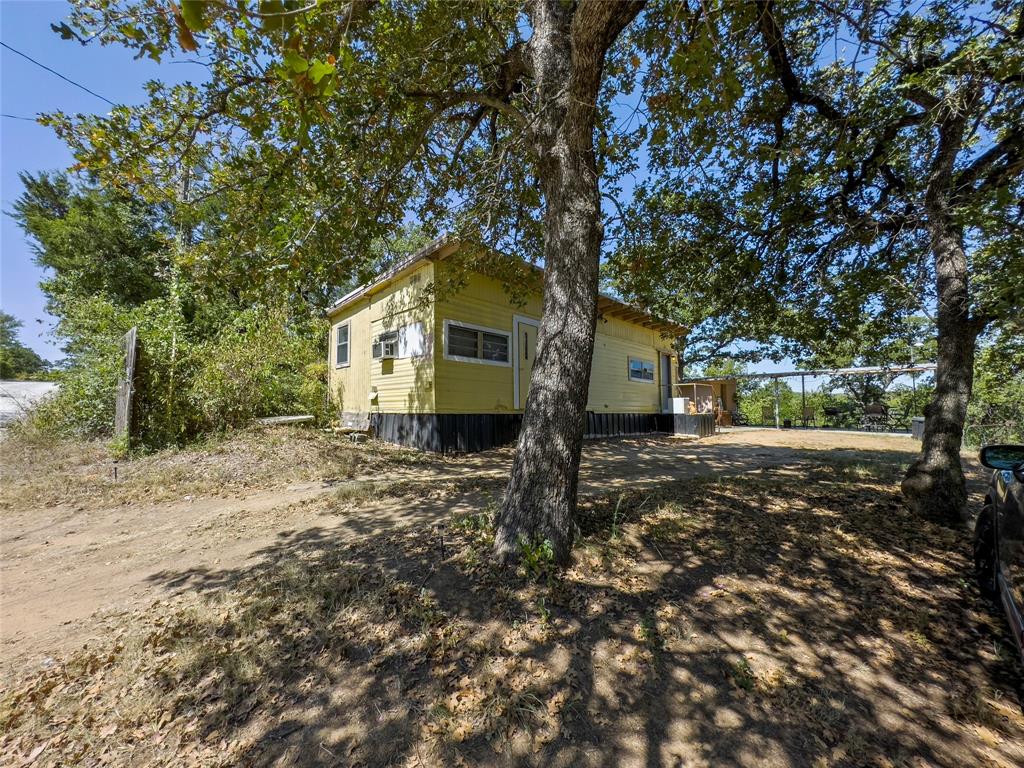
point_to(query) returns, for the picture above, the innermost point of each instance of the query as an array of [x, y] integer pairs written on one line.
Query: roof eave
[[422, 254], [667, 328]]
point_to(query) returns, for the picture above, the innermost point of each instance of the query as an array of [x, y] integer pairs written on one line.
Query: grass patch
[[41, 472]]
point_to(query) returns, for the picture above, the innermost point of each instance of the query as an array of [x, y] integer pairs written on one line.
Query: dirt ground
[[64, 563], [756, 598]]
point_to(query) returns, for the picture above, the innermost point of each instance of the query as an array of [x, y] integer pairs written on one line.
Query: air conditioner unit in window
[[385, 346]]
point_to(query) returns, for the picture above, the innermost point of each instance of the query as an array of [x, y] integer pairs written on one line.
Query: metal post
[[803, 402], [777, 425]]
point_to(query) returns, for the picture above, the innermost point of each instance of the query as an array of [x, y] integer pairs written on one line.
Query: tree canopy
[[318, 130], [787, 199], [838, 162]]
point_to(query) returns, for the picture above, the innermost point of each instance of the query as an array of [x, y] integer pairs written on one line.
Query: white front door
[[666, 383]]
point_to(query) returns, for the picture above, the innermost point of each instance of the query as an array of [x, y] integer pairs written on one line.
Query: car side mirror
[[1005, 457]]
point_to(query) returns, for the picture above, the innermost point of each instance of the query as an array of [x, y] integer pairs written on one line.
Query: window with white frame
[[341, 345], [474, 344], [641, 370]]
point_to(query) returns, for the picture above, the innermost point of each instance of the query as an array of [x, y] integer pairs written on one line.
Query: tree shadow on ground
[[768, 621], [800, 617]]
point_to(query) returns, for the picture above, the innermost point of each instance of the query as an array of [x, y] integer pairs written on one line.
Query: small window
[[341, 345], [385, 346], [641, 370], [463, 342], [494, 346]]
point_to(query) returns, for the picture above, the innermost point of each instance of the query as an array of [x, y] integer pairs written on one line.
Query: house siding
[[611, 389], [435, 403], [350, 385], [471, 387], [401, 385], [465, 387]]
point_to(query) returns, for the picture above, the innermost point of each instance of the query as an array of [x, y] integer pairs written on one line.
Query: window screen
[[476, 344], [462, 341], [495, 347]]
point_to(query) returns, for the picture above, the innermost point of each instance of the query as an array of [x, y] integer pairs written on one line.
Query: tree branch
[[988, 168], [775, 45], [449, 99]]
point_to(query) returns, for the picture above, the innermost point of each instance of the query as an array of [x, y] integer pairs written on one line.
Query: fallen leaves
[[808, 613]]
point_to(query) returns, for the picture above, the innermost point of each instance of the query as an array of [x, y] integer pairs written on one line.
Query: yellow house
[[450, 370]]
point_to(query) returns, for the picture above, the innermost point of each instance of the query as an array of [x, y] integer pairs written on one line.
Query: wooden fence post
[[126, 389]]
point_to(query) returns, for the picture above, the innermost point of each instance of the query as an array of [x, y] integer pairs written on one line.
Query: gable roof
[[447, 244]]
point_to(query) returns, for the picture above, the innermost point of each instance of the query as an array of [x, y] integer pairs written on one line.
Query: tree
[[91, 242], [874, 344], [876, 177], [216, 350], [16, 360], [567, 56], [320, 128]]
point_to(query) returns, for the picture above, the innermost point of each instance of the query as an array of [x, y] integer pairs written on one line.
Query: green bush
[[84, 404], [261, 365], [996, 412]]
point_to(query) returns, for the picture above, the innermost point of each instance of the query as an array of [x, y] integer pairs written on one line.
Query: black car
[[999, 535]]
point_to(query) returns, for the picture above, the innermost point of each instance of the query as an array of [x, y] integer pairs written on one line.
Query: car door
[[1011, 535], [1010, 522]]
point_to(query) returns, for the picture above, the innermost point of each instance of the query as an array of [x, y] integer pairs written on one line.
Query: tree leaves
[[318, 69], [65, 32], [818, 221], [185, 38], [277, 15], [295, 62], [193, 13]]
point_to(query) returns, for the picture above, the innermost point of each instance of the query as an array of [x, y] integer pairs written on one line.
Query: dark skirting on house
[[473, 432]]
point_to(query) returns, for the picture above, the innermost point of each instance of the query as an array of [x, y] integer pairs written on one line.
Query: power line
[[18, 117], [58, 74]]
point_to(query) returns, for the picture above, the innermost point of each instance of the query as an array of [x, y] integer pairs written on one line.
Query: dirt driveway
[[66, 568]]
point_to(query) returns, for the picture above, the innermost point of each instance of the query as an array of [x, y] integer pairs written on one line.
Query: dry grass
[[781, 620], [39, 472]]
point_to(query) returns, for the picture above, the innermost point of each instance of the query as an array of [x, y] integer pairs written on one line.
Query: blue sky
[[26, 90]]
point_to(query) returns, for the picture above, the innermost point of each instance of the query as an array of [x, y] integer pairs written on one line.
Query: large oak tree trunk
[[567, 56], [934, 483]]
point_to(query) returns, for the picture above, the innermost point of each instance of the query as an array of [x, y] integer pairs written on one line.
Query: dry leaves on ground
[[784, 620], [38, 472]]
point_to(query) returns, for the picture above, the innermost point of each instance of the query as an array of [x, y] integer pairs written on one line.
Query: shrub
[[262, 364], [84, 404]]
